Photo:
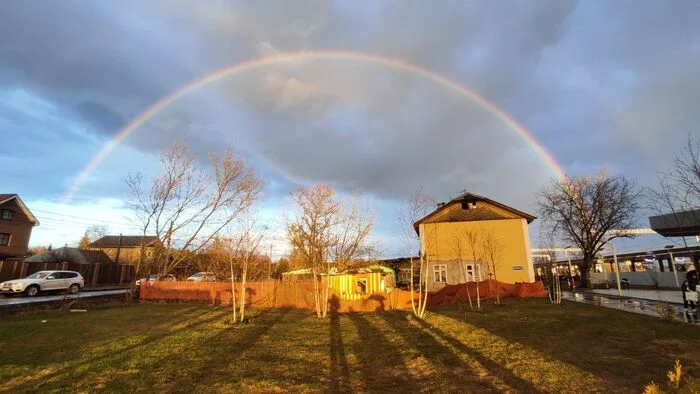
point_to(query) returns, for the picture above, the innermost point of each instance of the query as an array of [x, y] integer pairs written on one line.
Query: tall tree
[[325, 233], [678, 189], [491, 247], [187, 204], [416, 207], [583, 210], [92, 234], [473, 239], [459, 247]]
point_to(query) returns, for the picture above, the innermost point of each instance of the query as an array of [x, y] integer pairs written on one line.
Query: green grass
[[523, 346]]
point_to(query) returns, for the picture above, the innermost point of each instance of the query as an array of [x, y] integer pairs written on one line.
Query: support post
[[95, 274], [673, 267], [617, 270]]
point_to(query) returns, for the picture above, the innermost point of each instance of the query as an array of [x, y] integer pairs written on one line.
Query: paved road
[[24, 300], [641, 306]]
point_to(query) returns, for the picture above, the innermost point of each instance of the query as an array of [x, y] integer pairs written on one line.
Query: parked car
[[202, 277], [44, 281], [157, 278]]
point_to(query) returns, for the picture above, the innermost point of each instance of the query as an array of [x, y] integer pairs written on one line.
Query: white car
[[157, 278], [44, 281], [202, 277]]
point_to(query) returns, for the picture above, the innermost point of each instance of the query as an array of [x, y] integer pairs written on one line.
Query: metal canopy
[[679, 224]]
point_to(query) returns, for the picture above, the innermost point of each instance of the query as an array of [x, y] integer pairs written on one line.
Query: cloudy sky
[[600, 84]]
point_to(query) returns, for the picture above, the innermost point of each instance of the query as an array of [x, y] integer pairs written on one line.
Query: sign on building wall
[[518, 268]]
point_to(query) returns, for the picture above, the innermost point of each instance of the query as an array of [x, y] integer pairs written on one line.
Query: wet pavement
[[673, 296], [640, 306], [20, 300]]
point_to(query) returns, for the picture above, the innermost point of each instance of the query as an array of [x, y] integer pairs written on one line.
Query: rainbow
[[214, 76]]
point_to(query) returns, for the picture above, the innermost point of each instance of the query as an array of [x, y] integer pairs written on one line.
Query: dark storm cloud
[[600, 83]]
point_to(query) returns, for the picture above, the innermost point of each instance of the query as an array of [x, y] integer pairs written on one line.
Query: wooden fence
[[299, 295]]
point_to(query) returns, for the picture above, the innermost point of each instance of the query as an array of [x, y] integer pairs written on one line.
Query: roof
[[473, 214], [70, 255], [301, 271], [679, 224], [9, 197], [124, 241]]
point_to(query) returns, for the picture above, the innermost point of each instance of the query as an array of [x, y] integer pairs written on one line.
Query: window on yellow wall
[[362, 286], [440, 273]]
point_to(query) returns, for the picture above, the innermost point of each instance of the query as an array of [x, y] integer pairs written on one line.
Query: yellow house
[[473, 238]]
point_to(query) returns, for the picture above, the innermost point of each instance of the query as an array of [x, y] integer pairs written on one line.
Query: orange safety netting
[[300, 295]]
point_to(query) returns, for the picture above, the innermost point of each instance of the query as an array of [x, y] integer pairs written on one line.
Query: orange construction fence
[[300, 295]]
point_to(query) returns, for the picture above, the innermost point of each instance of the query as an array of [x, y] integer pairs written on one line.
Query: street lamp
[[673, 262]]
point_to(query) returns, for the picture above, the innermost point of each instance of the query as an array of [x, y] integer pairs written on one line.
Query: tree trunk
[[584, 267], [243, 289], [233, 294], [412, 288], [317, 297]]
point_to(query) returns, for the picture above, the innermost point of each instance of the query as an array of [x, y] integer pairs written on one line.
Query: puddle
[[640, 306]]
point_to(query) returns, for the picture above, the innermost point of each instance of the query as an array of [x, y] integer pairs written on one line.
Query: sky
[[607, 84]]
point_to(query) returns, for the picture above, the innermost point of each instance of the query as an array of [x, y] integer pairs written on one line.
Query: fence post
[[23, 270], [95, 274]]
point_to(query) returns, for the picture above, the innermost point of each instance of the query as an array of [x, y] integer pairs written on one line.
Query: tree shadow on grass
[[605, 343], [122, 356], [339, 374], [494, 368], [382, 365], [215, 355]]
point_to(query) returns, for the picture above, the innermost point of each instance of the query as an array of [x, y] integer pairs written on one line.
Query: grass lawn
[[522, 346]]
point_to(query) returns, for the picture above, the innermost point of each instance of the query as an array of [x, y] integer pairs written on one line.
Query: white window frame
[[10, 215], [439, 272], [404, 274], [470, 271]]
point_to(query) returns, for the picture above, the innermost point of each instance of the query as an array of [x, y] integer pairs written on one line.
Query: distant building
[[71, 256], [16, 224], [445, 244], [126, 249]]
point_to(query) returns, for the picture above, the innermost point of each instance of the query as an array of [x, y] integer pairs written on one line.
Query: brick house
[[126, 249], [16, 224]]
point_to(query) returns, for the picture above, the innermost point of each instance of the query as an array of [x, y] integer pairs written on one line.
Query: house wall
[[127, 255], [21, 229], [447, 243]]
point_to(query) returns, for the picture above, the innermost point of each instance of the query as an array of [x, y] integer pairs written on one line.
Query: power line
[[68, 216]]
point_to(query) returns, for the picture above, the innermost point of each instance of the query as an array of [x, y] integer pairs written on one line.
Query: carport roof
[[678, 224]]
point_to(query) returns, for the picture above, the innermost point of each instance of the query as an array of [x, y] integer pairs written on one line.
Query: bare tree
[[458, 247], [187, 204], [548, 246], [92, 234], [324, 233], [678, 189], [473, 239], [492, 248], [416, 207], [232, 256], [584, 209]]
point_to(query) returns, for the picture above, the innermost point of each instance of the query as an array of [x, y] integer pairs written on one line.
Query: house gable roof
[[9, 197], [70, 255], [469, 207], [127, 241]]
